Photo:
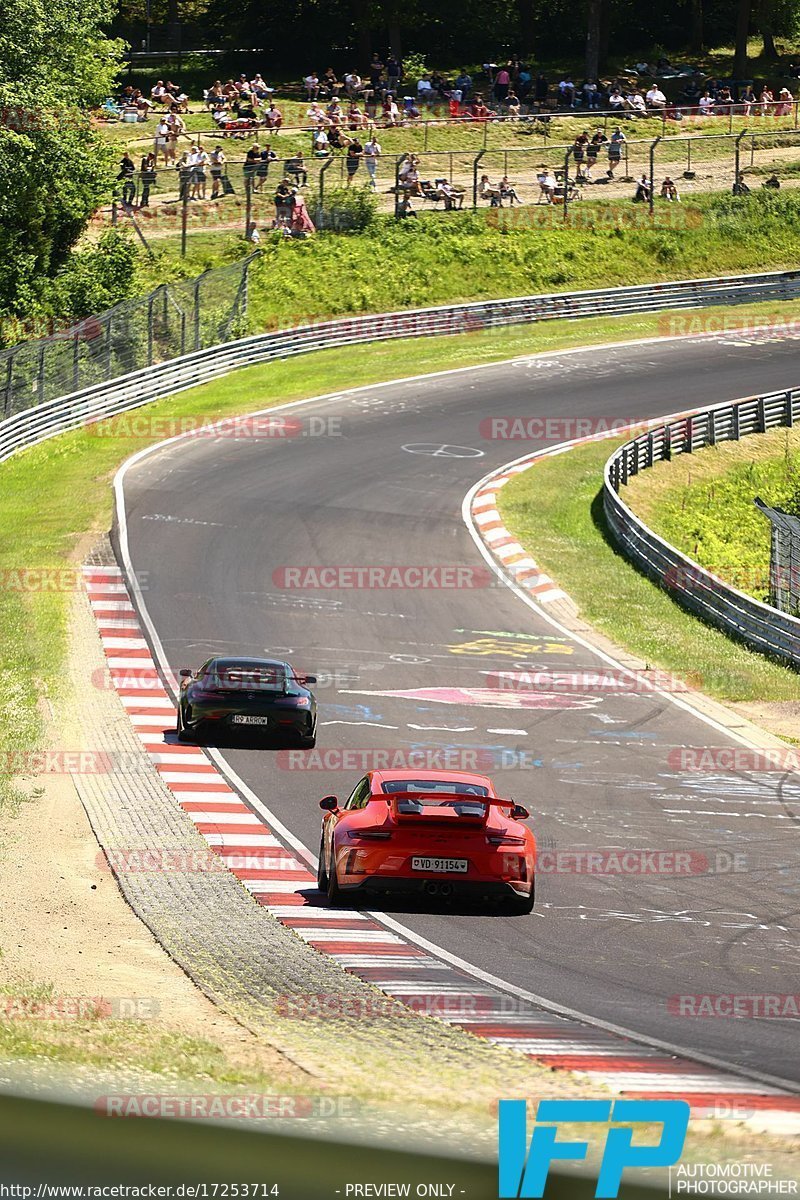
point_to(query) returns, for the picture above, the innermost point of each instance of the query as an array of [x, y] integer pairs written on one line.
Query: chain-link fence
[[173, 319], [784, 559]]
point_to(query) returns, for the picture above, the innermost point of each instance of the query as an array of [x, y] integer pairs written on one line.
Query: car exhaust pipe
[[431, 889], [446, 889]]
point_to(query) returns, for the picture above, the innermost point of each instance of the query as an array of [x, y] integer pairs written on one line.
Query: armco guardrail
[[760, 626], [130, 391]]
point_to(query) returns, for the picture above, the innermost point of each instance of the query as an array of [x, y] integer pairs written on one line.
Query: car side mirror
[[329, 803], [185, 673], [309, 679], [520, 813]]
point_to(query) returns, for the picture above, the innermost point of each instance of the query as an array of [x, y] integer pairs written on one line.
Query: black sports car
[[248, 693]]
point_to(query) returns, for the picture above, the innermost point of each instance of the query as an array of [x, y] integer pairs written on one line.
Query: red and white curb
[[514, 558], [360, 943]]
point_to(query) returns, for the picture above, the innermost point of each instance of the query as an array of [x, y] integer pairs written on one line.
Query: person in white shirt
[[636, 104], [706, 104], [425, 91], [161, 142], [198, 161], [372, 152], [159, 92], [655, 97], [312, 85]]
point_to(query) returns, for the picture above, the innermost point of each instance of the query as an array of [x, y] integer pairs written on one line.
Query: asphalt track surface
[[211, 525]]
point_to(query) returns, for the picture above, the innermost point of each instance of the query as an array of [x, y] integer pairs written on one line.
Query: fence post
[[475, 164], [184, 214], [9, 382], [196, 298], [76, 359], [248, 204], [736, 153], [150, 303], [653, 145], [398, 162], [107, 348]]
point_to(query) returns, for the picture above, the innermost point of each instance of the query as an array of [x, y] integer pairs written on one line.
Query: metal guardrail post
[[736, 167], [567, 157], [196, 310], [76, 360], [789, 410], [653, 145], [8, 388], [475, 164], [40, 372]]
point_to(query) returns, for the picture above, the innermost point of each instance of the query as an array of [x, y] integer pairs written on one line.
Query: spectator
[[372, 152], [598, 140], [315, 113], [408, 176], [566, 92], [337, 138], [356, 119], [147, 178], [478, 110], [785, 103], [748, 101], [740, 188], [766, 100], [541, 89], [579, 154], [464, 83], [669, 190], [425, 91], [706, 104], [159, 93], [284, 203], [512, 105], [394, 74], [376, 69], [127, 171], [655, 99], [265, 157], [312, 85], [253, 235], [452, 197], [508, 191], [198, 163], [590, 94], [217, 165], [547, 184], [259, 88], [330, 83], [642, 195], [353, 161], [502, 84], [161, 141], [615, 145], [491, 192], [724, 100], [296, 166], [391, 113], [636, 103], [773, 183], [273, 117], [616, 100]]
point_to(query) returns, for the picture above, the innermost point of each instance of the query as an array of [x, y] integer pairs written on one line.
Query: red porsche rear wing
[[450, 807]]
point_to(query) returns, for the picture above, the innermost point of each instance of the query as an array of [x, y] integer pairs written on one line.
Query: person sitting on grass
[[273, 117], [408, 176], [773, 183], [642, 194], [669, 190]]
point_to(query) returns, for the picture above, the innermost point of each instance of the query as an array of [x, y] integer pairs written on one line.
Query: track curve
[[213, 524]]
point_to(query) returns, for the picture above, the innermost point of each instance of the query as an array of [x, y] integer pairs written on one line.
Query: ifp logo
[[523, 1172]]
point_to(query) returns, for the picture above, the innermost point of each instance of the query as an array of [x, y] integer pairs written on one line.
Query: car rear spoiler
[[450, 807]]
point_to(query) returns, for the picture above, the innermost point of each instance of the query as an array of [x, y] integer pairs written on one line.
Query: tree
[[594, 10], [742, 30], [55, 62]]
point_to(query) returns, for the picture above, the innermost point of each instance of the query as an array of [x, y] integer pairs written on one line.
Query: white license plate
[[456, 865], [240, 719]]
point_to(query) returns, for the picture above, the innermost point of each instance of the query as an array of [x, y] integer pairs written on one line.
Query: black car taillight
[[205, 694], [504, 839], [376, 835]]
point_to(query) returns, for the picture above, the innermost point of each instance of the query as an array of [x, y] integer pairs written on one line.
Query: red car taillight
[[204, 694], [293, 702], [504, 839], [377, 835]]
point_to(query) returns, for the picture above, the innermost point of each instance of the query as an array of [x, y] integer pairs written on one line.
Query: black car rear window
[[247, 677]]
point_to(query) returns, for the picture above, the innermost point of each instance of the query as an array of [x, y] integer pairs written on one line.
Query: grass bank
[[703, 503], [555, 510], [449, 257]]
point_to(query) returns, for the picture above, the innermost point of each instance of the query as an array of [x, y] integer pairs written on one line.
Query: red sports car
[[438, 833]]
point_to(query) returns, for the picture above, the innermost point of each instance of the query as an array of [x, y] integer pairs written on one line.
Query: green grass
[[489, 254], [555, 511], [703, 503]]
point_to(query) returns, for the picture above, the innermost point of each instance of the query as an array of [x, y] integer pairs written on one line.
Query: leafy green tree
[[55, 62]]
